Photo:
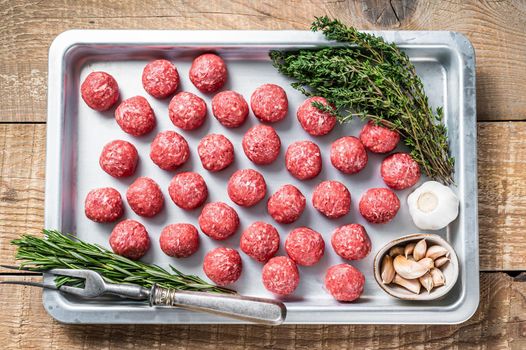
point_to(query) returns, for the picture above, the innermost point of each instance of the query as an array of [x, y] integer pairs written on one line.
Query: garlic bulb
[[433, 206]]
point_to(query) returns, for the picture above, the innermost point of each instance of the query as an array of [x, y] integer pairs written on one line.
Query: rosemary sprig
[[56, 250], [371, 79]]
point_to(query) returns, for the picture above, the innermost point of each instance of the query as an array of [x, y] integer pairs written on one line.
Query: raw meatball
[[223, 266], [351, 242], [230, 109], [379, 205], [344, 282], [216, 152], [145, 197], [348, 155], [188, 190], [135, 116], [218, 220], [303, 160], [119, 158], [100, 91], [269, 103], [314, 121], [332, 199], [169, 150], [160, 78], [130, 239], [187, 111], [261, 144], [379, 139], [103, 205], [246, 187], [280, 275], [260, 241], [305, 246], [400, 171], [286, 205], [179, 240], [208, 72]]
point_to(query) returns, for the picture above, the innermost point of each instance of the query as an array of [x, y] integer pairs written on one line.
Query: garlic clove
[[427, 262], [438, 277], [420, 250], [387, 270], [434, 252], [411, 285], [441, 261], [396, 250], [426, 281], [408, 250], [408, 269]]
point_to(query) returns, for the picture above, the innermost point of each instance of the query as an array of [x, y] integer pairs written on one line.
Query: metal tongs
[[258, 310]]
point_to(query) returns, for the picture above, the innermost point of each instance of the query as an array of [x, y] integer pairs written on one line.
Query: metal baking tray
[[75, 136]]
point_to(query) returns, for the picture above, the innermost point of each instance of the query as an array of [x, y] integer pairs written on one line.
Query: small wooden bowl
[[450, 270]]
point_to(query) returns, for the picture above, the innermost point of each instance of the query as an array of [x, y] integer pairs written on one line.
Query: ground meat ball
[[280, 275], [348, 155], [169, 150], [344, 282], [160, 78], [216, 152], [351, 242], [130, 239], [218, 220], [188, 190], [260, 241], [208, 72], [314, 121], [332, 199], [135, 116], [269, 103], [261, 144], [246, 187], [400, 171], [223, 266], [230, 109], [379, 205], [303, 160], [187, 111], [378, 139], [103, 205], [119, 158], [100, 91], [145, 197], [305, 246], [179, 240], [286, 205]]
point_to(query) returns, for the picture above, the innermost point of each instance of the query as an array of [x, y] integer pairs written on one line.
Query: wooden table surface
[[497, 30]]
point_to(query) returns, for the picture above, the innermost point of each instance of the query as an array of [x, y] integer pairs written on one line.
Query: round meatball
[[305, 246], [188, 190], [160, 78], [179, 240], [348, 155], [216, 152], [218, 221], [208, 73], [261, 144], [100, 91], [303, 160], [400, 171], [230, 109], [332, 199], [260, 241], [379, 205], [145, 197], [169, 150], [314, 121], [344, 282], [223, 266], [246, 187], [119, 158], [103, 205], [269, 103], [378, 139], [187, 111], [351, 242], [286, 205], [280, 275], [135, 116], [130, 239]]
